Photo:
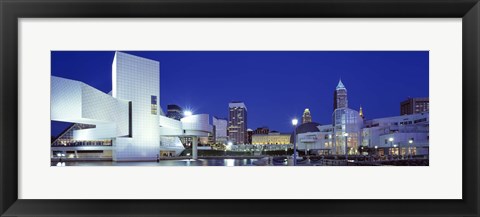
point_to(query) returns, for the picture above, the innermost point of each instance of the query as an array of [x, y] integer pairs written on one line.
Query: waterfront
[[266, 161], [183, 162]]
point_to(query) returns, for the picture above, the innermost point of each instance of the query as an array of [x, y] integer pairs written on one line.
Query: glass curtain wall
[[347, 125]]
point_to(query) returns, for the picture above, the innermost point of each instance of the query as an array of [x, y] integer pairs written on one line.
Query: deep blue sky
[[275, 86]]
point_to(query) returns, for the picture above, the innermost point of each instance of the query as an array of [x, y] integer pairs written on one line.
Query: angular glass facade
[[347, 125]]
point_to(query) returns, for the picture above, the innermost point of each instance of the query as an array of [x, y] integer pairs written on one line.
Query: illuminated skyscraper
[[340, 99], [306, 117], [361, 112], [237, 122]]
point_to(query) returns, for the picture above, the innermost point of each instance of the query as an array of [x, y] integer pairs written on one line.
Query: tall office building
[[306, 117], [340, 99], [174, 111], [237, 122], [414, 106]]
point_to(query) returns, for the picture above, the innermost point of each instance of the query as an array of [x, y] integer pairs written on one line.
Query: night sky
[[276, 86]]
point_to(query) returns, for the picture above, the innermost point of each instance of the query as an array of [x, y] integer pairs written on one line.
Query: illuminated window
[[154, 105]]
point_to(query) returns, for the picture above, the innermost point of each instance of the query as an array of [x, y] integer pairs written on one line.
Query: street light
[[346, 148], [391, 147], [294, 123], [410, 142]]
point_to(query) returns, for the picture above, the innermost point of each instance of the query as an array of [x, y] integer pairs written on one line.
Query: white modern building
[[315, 137], [129, 117], [398, 135], [345, 134]]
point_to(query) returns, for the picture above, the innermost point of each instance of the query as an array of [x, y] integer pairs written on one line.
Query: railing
[[396, 162], [80, 144]]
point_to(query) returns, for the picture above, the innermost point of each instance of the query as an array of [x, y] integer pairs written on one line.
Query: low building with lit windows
[[272, 138], [400, 135]]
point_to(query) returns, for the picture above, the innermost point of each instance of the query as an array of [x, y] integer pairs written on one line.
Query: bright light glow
[[410, 141], [59, 155], [390, 139], [229, 162], [294, 122], [376, 147], [345, 134], [187, 113], [394, 146], [229, 143]]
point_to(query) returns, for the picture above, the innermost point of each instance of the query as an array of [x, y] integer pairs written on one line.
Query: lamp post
[[390, 153], [294, 123], [410, 142], [346, 148]]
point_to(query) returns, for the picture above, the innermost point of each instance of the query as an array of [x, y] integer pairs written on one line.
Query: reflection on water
[[199, 162]]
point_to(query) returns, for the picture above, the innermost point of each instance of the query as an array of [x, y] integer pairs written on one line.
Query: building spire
[[307, 116], [340, 85], [340, 96], [361, 112]]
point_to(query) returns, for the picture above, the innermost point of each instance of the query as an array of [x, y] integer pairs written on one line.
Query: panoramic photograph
[[239, 108]]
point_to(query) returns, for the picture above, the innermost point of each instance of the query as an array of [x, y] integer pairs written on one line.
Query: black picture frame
[[12, 10]]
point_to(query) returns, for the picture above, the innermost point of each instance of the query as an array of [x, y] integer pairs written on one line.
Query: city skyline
[[315, 93]]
